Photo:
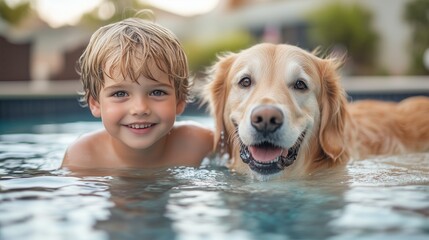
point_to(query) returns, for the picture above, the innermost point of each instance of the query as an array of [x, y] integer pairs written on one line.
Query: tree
[[110, 11], [14, 14], [203, 53], [347, 26], [417, 16]]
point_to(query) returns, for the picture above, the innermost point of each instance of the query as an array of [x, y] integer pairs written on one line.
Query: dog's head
[[280, 108]]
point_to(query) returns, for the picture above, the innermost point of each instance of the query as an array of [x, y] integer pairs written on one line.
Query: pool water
[[380, 198]]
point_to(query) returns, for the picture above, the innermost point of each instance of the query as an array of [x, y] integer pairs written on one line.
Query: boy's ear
[[94, 105], [180, 108]]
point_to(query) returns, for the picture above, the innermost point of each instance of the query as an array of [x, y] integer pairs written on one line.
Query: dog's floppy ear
[[333, 110], [215, 93]]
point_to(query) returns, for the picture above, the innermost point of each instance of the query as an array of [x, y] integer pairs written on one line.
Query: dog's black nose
[[266, 118]]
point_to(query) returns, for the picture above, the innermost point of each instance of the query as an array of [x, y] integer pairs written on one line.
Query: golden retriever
[[280, 111]]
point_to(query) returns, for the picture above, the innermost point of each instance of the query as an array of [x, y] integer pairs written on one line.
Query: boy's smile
[[140, 128]]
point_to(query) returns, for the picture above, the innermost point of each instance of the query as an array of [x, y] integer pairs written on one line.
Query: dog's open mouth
[[266, 158]]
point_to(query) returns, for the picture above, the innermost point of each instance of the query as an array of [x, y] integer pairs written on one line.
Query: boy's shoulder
[[84, 150], [192, 141], [193, 130]]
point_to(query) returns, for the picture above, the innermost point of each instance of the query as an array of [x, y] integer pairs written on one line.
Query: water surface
[[380, 198]]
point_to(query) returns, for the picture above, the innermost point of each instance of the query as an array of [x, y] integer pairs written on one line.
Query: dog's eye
[[300, 85], [245, 82]]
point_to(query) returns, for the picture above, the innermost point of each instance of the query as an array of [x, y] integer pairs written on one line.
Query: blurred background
[[386, 42]]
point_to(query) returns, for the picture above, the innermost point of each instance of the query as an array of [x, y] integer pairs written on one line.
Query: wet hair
[[131, 47]]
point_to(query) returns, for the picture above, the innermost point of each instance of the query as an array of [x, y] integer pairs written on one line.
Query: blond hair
[[129, 46]]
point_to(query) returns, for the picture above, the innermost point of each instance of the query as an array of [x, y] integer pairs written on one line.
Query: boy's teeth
[[138, 126]]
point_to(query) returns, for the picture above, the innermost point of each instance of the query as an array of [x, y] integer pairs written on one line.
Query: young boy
[[135, 78]]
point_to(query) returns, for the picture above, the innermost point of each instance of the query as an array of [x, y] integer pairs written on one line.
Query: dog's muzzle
[[277, 164]]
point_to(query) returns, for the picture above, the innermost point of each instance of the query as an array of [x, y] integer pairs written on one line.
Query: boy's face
[[137, 114]]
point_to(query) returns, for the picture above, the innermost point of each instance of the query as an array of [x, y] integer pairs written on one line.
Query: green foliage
[[121, 9], [202, 54], [13, 15], [347, 26], [417, 15]]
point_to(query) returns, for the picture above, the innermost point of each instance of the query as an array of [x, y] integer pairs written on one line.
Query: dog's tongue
[[265, 154]]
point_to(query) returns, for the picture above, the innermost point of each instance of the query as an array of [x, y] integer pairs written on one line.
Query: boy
[[135, 78]]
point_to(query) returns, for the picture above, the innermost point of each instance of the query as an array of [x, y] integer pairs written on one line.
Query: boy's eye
[[120, 94], [158, 93]]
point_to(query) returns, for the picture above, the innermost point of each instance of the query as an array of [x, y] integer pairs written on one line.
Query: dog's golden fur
[[335, 130]]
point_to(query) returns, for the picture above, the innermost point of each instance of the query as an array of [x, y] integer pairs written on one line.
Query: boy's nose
[[140, 107]]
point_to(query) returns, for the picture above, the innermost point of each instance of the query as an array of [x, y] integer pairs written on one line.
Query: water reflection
[[51, 207]]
